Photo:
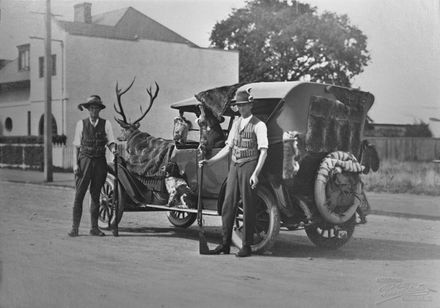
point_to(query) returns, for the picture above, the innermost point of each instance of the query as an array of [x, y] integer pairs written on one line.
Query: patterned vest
[[245, 147], [93, 139]]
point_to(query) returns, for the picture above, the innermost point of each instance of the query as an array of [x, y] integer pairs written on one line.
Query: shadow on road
[[298, 246], [213, 233], [295, 246]]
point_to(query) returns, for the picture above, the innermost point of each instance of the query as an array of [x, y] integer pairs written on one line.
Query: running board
[[178, 209]]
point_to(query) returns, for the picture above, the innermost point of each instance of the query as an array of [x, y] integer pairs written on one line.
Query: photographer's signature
[[396, 288]]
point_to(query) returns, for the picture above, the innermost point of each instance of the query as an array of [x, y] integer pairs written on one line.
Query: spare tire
[[338, 187]]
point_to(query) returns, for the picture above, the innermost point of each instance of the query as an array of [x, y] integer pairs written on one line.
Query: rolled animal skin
[[290, 155]]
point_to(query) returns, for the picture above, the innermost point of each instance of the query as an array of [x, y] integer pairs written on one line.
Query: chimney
[[83, 12]]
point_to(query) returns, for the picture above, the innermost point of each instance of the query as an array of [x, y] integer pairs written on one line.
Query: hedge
[[56, 139]]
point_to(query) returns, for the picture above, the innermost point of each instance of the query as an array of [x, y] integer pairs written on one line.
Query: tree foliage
[[289, 40], [420, 129]]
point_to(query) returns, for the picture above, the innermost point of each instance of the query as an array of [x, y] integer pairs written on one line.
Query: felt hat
[[243, 97], [92, 100]]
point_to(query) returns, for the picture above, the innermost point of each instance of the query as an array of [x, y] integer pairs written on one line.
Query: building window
[[8, 124], [23, 57], [29, 123], [54, 65], [41, 126], [41, 66]]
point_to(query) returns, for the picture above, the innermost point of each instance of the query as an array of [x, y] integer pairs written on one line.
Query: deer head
[[127, 129]]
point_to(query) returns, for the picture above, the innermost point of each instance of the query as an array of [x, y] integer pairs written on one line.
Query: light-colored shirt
[[260, 130], [79, 130]]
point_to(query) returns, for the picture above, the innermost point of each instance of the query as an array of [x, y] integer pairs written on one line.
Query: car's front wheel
[[181, 219], [107, 205]]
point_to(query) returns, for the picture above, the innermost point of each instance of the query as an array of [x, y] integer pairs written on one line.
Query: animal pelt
[[180, 194], [218, 99], [180, 130], [291, 154], [369, 157], [211, 133], [334, 126], [146, 154]]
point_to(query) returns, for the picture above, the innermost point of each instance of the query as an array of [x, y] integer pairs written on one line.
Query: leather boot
[[222, 248], [73, 232], [96, 232], [245, 251]]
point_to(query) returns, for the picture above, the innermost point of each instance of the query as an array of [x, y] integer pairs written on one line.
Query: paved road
[[390, 262]]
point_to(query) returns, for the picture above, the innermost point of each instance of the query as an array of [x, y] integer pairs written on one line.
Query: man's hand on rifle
[[203, 162]]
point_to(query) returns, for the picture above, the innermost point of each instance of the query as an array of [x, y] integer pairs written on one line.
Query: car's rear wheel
[[331, 237], [267, 224]]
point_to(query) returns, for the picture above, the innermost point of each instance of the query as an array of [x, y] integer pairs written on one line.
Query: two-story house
[[90, 54]]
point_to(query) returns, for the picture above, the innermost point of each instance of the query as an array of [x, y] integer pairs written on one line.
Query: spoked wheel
[[107, 206], [181, 219], [267, 224], [330, 236]]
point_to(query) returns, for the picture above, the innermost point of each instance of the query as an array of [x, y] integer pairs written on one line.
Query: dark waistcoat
[[93, 139]]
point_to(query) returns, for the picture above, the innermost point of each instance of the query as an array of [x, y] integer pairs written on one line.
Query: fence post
[[23, 157]]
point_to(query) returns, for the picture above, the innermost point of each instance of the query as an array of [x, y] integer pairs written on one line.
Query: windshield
[[194, 130]]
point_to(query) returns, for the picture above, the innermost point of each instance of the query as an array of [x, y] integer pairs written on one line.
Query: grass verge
[[405, 177]]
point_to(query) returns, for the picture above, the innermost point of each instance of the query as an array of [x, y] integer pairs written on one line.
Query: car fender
[[276, 191]]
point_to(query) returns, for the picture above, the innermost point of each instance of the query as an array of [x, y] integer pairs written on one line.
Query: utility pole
[[48, 170]]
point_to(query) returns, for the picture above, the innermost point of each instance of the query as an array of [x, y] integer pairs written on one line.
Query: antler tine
[[155, 93], [119, 93], [122, 92], [120, 122], [152, 98]]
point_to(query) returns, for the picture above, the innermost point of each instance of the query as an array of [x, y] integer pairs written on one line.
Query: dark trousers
[[93, 172], [238, 184]]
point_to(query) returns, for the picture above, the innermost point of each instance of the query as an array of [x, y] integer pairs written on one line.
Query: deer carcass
[[146, 154]]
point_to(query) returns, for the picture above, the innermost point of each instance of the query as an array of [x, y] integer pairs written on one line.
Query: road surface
[[390, 262]]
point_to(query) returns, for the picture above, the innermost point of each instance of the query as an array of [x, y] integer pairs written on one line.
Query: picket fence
[[406, 148]]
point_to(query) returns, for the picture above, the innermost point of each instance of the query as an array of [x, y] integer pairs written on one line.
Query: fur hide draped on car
[[146, 154], [333, 126]]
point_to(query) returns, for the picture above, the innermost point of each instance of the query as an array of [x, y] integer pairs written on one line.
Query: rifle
[[203, 243], [116, 195]]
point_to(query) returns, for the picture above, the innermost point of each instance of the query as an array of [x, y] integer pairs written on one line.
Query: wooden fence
[[407, 148], [30, 156]]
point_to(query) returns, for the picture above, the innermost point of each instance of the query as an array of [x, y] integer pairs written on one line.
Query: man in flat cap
[[92, 135], [248, 142]]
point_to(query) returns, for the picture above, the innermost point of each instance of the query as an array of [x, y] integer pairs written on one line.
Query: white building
[[90, 54]]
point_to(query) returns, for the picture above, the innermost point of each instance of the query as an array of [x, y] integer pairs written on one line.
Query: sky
[[403, 40]]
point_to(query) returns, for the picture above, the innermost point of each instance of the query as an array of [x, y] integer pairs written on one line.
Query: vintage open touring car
[[311, 179]]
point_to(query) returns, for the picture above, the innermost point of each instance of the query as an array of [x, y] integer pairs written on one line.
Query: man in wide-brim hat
[[93, 100], [92, 136], [248, 143]]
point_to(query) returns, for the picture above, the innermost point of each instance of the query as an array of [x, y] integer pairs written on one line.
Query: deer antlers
[[152, 98], [119, 92]]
